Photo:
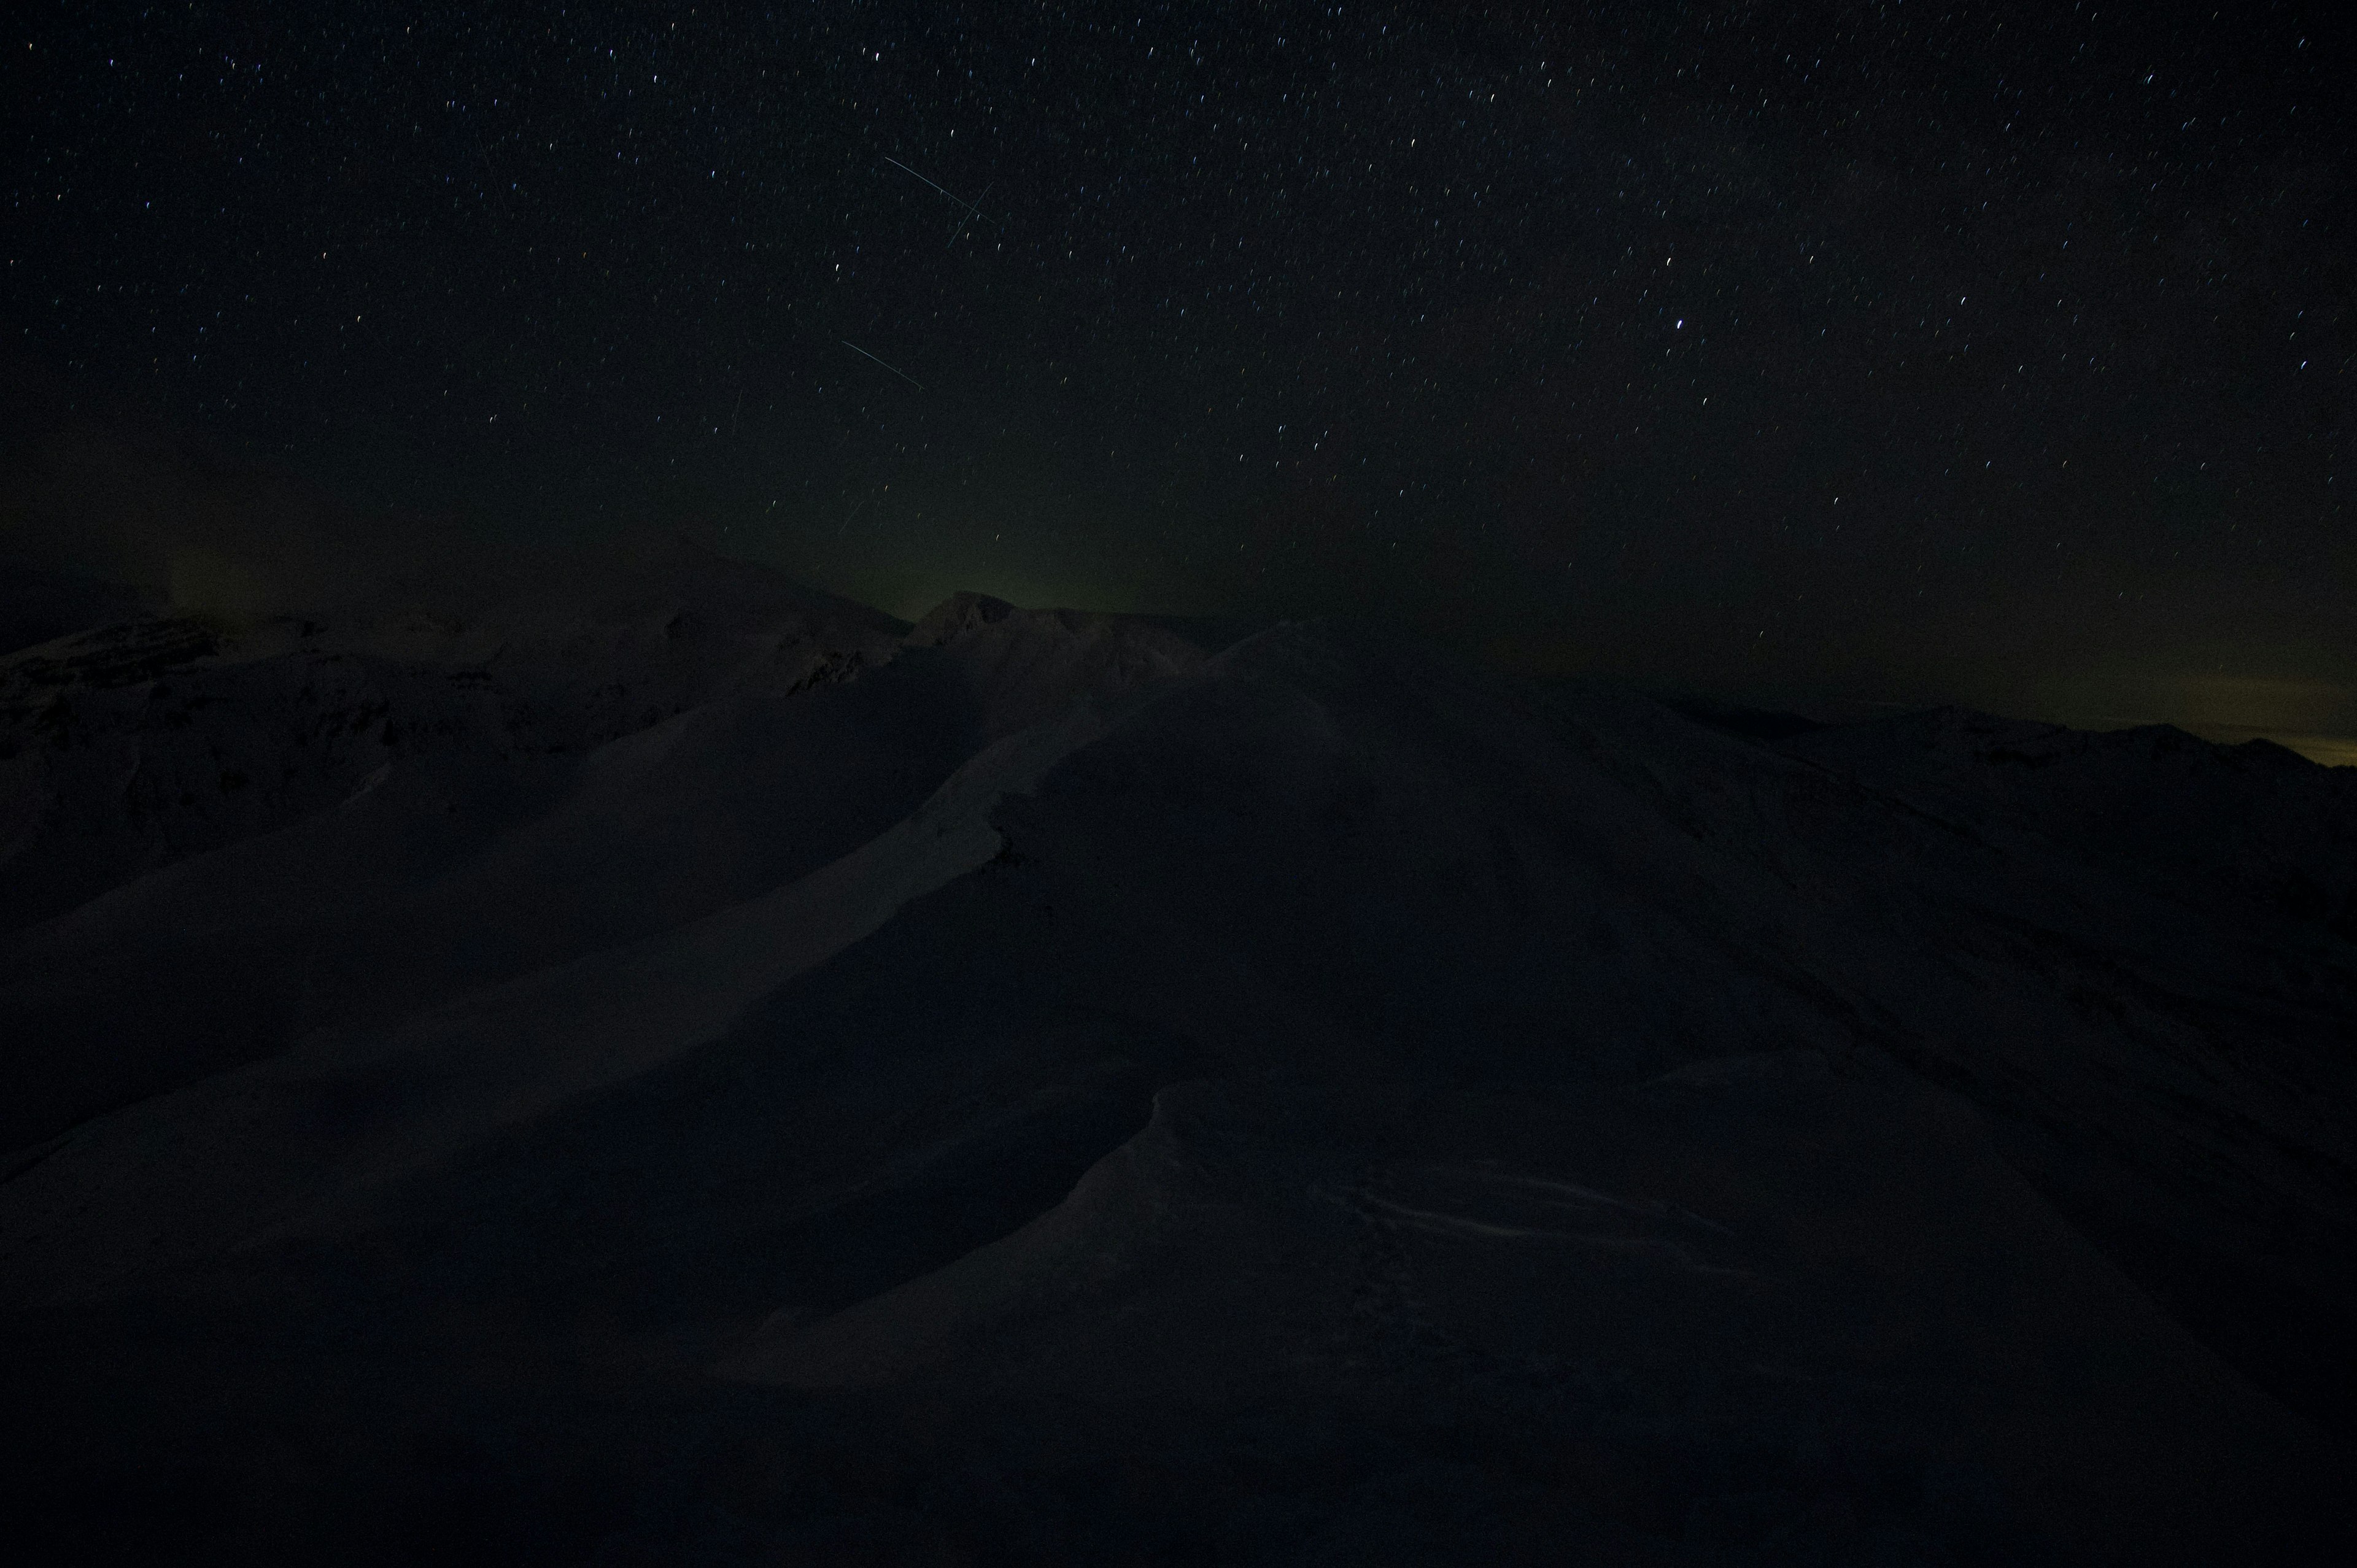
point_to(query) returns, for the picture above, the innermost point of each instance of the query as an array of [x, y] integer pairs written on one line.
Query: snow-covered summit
[[661, 1025]]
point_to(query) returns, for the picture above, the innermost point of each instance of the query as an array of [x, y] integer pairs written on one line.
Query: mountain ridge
[[724, 997]]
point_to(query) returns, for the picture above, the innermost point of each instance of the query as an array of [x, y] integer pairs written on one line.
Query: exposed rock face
[[714, 1072]]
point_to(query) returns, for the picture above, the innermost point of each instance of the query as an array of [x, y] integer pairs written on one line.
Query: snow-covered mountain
[[632, 1060]]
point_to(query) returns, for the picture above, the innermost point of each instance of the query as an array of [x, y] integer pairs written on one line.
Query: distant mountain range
[[620, 1058]]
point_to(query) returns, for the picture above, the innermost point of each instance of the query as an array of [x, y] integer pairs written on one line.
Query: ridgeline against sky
[[1826, 352]]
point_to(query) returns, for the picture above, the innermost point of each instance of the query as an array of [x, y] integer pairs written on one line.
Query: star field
[[1889, 352]]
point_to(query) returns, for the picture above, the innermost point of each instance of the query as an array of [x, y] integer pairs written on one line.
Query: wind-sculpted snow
[[1043, 1087], [1846, 1271]]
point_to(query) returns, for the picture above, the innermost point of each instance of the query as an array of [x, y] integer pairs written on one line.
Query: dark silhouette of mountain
[[1734, 718], [624, 1059], [38, 606]]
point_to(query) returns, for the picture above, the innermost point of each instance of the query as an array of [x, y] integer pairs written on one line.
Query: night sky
[[1806, 354]]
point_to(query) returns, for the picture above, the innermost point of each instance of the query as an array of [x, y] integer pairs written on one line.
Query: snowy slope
[[1046, 1088]]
